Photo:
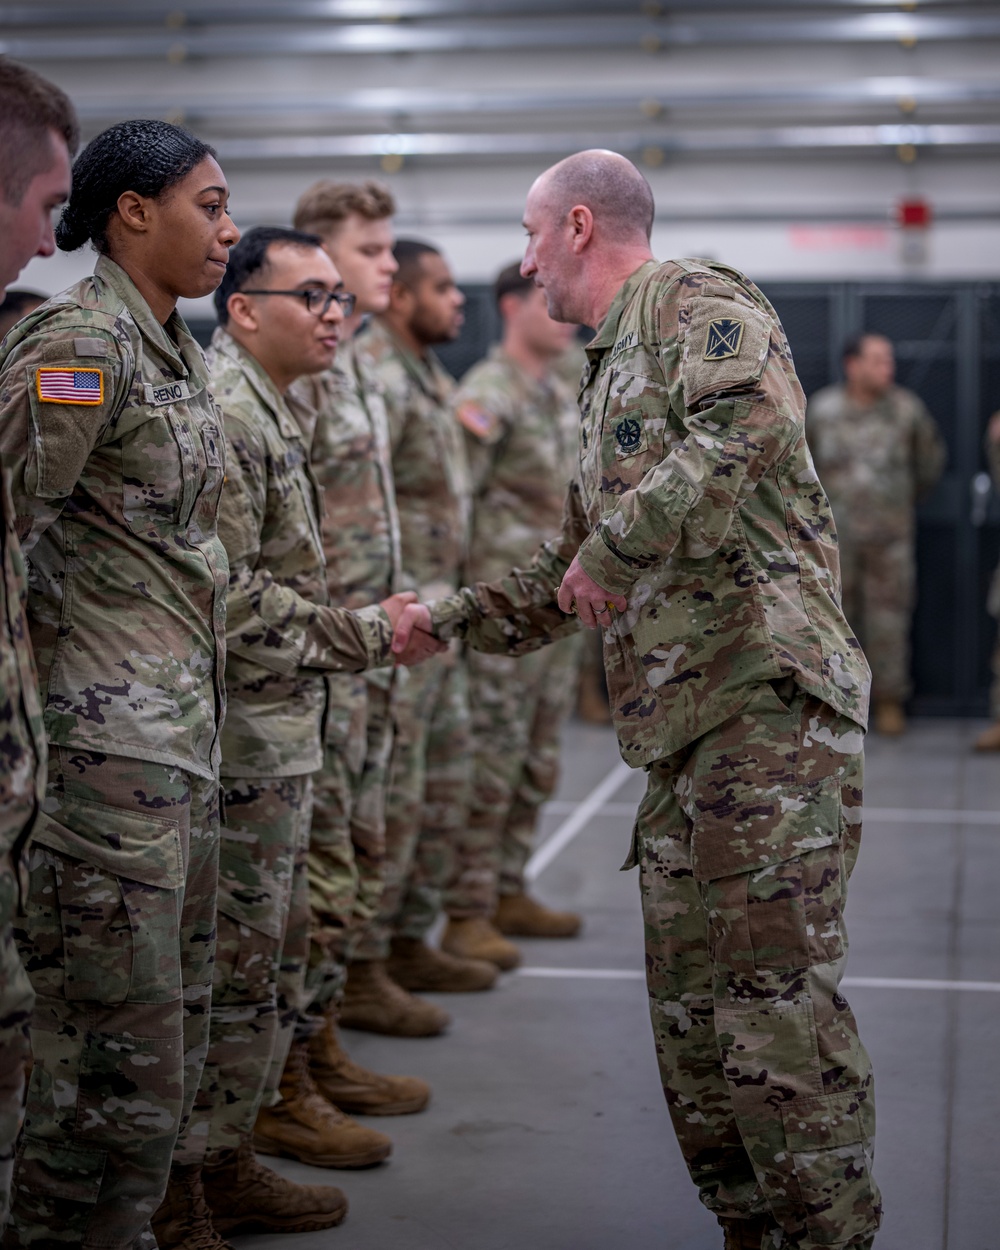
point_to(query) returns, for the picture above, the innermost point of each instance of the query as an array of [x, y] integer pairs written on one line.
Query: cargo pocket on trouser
[[772, 879], [104, 1102]]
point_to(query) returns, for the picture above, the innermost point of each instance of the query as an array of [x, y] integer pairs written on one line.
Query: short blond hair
[[326, 205]]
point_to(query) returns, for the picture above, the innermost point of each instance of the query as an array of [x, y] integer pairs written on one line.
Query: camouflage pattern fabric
[[22, 782], [428, 462], [282, 636], [118, 940], [116, 497], [699, 502], [428, 790], [116, 464], [876, 463], [519, 706], [521, 445], [350, 458], [745, 840], [261, 853], [347, 839], [427, 800]]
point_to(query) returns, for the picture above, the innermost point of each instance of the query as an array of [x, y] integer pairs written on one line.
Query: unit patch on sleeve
[[725, 338], [70, 386]]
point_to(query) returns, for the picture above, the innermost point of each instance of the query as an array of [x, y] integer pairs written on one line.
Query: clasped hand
[[412, 640]]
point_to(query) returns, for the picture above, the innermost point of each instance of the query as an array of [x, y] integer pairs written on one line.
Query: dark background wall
[[947, 339]]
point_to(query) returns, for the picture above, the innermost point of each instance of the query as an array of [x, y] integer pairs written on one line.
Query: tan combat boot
[[374, 1003], [183, 1220], [355, 1089], [519, 915], [592, 705], [416, 966], [745, 1234], [246, 1197], [475, 938], [989, 739], [890, 719], [306, 1127]]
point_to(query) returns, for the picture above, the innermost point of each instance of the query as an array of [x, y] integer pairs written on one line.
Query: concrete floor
[[547, 1130]]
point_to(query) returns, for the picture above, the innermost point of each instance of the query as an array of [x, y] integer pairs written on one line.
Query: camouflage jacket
[[282, 633], [521, 445], [699, 502], [116, 458], [428, 462], [875, 463], [22, 738]]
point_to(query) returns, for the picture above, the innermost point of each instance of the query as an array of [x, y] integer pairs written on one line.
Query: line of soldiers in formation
[[279, 500], [280, 532]]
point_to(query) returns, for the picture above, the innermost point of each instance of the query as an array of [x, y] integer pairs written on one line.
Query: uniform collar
[[607, 335], [224, 345], [173, 341], [427, 371]]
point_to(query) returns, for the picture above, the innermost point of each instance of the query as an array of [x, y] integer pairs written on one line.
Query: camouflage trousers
[[745, 841], [261, 955], [518, 707], [118, 941], [427, 800], [347, 838], [879, 590], [16, 999]]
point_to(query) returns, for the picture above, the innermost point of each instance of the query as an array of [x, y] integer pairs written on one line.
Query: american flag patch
[[70, 386], [477, 420]]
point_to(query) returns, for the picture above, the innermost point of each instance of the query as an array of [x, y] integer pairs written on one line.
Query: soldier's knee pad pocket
[[771, 867], [255, 903], [828, 1138], [117, 876]]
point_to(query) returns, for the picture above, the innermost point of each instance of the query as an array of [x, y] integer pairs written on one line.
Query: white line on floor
[[862, 983], [891, 815], [581, 816]]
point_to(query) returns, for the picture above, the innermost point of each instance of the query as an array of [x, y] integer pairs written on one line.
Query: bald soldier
[[701, 543]]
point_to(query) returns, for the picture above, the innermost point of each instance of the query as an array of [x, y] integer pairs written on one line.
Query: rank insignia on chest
[[70, 386], [725, 338], [630, 436]]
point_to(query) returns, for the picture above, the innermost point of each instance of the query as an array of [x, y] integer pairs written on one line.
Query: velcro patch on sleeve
[[478, 421], [725, 346], [70, 386]]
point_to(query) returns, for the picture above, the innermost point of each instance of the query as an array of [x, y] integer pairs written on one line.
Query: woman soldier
[[116, 458]]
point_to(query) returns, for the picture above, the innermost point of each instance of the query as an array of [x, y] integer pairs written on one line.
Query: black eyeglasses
[[317, 300]]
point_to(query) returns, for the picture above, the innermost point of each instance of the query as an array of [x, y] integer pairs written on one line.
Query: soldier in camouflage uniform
[[877, 451], [520, 424], [701, 542], [279, 310], [989, 739], [117, 461], [38, 135], [428, 786], [348, 440]]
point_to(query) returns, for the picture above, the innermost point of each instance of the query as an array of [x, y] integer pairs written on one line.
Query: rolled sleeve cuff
[[451, 616], [612, 571], [376, 634]]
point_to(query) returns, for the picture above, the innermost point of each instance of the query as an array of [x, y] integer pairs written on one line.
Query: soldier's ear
[[133, 210], [580, 227], [242, 310]]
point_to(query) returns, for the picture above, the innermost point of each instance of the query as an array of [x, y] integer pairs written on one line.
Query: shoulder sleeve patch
[[69, 386], [484, 425], [725, 344], [90, 347]]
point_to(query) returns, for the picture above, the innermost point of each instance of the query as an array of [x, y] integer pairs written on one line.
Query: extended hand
[[395, 606], [579, 593], [413, 640]]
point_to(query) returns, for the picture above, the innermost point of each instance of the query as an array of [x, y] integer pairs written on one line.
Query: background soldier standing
[[521, 430], [701, 542], [426, 805], [38, 135], [878, 452]]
